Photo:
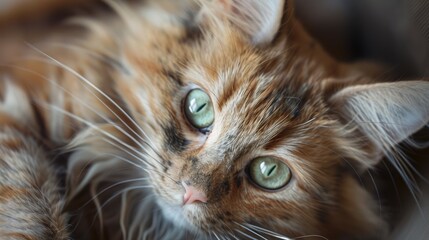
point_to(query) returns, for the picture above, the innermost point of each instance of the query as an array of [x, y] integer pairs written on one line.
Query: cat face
[[246, 127], [253, 115]]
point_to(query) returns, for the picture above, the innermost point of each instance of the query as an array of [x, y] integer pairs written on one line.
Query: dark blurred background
[[395, 32]]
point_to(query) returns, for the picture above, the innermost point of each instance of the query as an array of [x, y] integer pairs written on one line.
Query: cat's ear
[[260, 20], [386, 113]]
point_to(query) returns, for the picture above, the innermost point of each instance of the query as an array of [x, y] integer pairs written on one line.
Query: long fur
[[103, 98]]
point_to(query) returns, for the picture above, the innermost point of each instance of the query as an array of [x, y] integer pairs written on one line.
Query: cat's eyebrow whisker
[[79, 76]]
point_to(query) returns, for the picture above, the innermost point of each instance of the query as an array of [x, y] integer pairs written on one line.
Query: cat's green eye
[[269, 173], [199, 109]]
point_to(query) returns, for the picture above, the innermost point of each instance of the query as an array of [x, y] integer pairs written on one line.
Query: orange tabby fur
[[109, 93]]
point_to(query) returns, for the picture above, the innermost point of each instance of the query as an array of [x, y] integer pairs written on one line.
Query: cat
[[216, 119]]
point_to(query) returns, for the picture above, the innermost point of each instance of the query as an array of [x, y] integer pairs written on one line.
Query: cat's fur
[[101, 106]]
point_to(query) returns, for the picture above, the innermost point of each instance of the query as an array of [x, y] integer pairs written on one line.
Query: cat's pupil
[[201, 107], [271, 170]]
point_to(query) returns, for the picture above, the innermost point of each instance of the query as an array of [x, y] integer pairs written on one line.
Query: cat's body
[[104, 108]]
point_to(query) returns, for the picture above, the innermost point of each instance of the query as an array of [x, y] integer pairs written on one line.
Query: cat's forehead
[[247, 81], [256, 116]]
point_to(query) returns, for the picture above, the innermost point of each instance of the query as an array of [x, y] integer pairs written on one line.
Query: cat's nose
[[193, 194]]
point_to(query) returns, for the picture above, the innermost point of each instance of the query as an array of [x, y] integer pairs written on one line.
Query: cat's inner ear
[[386, 113], [260, 20]]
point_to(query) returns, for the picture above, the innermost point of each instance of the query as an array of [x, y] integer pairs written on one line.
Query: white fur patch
[[16, 103]]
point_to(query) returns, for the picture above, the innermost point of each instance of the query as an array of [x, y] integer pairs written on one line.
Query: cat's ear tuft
[[260, 20], [385, 113]]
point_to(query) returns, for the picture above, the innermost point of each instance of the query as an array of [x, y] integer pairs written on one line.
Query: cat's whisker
[[399, 163], [93, 126], [250, 230], [217, 237], [279, 236], [140, 159], [244, 234], [230, 231], [105, 118], [79, 76], [411, 185], [88, 107], [147, 170], [355, 171], [153, 169], [376, 191], [123, 215], [128, 189], [311, 236], [225, 237], [266, 231], [104, 58], [232, 235], [112, 186], [405, 172], [411, 169], [108, 135], [392, 179]]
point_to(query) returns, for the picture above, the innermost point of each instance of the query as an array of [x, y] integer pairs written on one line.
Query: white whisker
[[90, 108], [146, 170], [246, 235], [112, 186], [79, 76], [93, 126], [123, 191], [250, 230]]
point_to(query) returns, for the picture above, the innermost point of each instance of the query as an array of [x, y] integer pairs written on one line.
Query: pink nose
[[193, 194]]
